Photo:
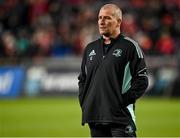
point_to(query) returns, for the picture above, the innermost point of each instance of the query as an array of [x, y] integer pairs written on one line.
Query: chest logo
[[92, 53], [117, 52]]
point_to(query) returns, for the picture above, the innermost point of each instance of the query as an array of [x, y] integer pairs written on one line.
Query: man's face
[[107, 22]]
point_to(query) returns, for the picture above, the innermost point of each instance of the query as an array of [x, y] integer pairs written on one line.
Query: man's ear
[[119, 22]]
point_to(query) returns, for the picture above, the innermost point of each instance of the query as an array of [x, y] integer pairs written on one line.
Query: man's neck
[[107, 39]]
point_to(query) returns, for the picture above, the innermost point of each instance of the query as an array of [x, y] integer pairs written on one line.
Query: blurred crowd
[[58, 28]]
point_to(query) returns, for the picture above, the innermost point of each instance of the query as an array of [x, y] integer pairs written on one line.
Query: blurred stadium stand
[[43, 40]]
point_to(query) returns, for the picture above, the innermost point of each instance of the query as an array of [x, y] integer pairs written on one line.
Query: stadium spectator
[[23, 42], [62, 44], [165, 44], [41, 44], [37, 8], [9, 45]]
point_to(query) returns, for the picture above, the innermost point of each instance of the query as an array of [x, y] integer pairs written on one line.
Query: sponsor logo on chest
[[92, 53]]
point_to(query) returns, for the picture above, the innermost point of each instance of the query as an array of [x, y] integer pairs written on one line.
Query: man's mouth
[[102, 28]]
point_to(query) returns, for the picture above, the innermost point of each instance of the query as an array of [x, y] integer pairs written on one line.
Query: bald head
[[109, 20], [115, 9]]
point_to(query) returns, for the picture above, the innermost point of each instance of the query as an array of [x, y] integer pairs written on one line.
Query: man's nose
[[102, 22]]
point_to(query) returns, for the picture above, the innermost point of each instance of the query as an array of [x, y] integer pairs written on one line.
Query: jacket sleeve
[[82, 78], [139, 80]]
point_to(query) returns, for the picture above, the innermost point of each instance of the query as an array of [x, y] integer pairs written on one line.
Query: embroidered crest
[[129, 129], [117, 52]]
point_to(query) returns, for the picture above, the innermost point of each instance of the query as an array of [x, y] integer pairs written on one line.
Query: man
[[113, 76]]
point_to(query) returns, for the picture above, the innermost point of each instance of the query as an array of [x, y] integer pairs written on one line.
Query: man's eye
[[107, 17]]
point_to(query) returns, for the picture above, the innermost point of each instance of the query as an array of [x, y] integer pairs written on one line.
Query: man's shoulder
[[92, 46], [133, 45], [93, 43], [128, 40]]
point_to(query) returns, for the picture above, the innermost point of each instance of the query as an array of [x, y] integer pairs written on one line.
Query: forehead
[[106, 12]]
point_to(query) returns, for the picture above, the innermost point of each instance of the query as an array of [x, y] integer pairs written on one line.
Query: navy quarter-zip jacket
[[110, 84]]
